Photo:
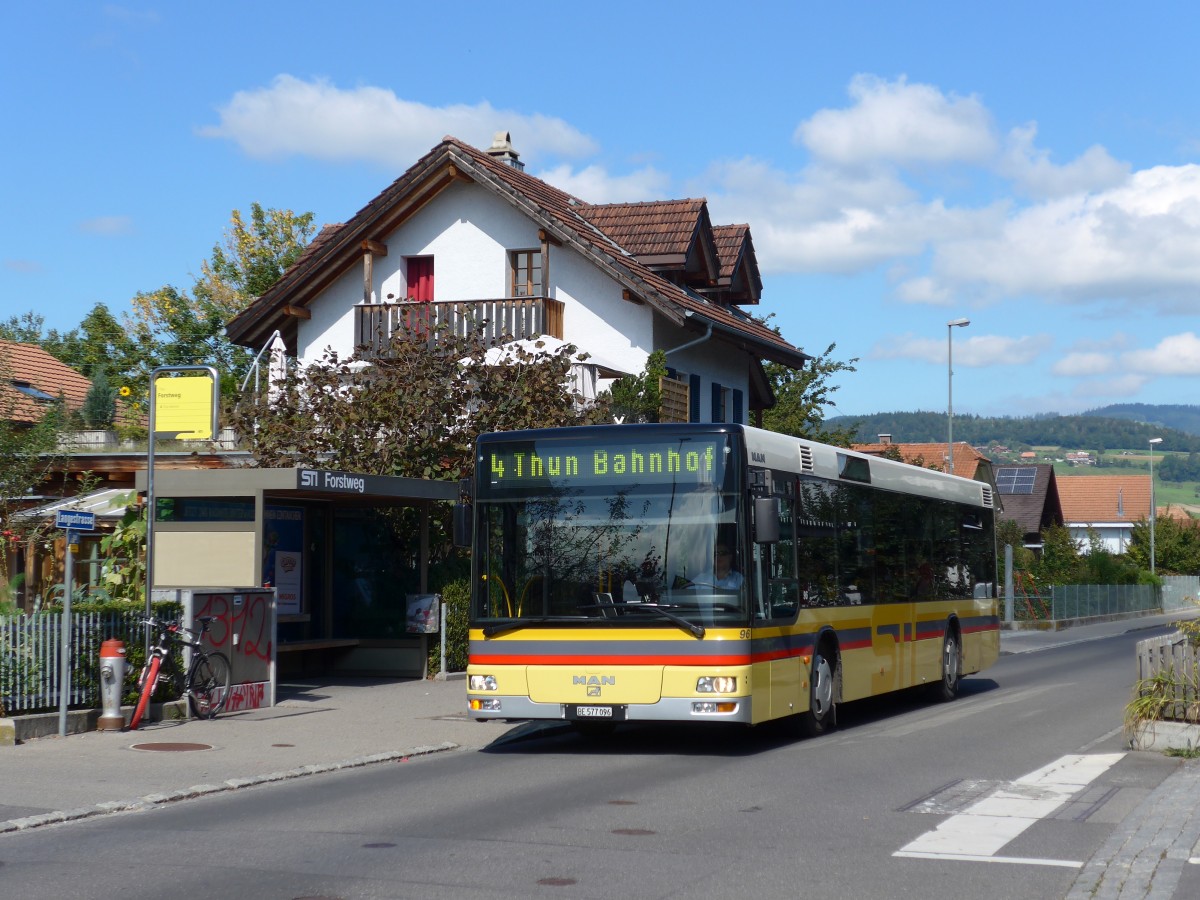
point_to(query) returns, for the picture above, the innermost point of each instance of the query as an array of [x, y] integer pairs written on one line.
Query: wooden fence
[[1174, 656]]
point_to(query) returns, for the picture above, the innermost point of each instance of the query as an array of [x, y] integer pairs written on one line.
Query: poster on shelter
[[283, 555], [423, 612], [288, 581]]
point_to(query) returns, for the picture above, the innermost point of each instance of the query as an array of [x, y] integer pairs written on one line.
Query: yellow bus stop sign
[[185, 406]]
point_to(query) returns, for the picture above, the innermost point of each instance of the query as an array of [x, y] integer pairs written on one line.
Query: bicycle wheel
[[208, 684], [147, 681]]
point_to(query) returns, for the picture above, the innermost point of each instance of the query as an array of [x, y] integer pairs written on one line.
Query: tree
[[638, 398], [414, 411], [1176, 546], [100, 405], [802, 396], [1060, 556], [29, 453]]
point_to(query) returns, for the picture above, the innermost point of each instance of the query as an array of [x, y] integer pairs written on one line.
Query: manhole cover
[[172, 747]]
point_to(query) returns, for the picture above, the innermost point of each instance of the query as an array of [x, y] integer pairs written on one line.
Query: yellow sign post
[[182, 407], [185, 407]]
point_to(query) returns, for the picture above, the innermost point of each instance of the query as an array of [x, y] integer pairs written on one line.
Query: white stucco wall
[[469, 233]]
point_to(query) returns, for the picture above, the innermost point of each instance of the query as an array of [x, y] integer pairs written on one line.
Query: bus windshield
[[640, 530]]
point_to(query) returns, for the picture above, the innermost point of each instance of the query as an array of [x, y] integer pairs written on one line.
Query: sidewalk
[[315, 727], [321, 726]]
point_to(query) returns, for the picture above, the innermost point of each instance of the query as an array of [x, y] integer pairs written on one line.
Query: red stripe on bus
[[560, 660]]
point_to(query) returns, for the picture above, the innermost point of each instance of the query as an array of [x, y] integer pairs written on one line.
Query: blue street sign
[[75, 520]]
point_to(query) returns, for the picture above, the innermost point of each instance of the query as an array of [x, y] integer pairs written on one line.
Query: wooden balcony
[[512, 318]]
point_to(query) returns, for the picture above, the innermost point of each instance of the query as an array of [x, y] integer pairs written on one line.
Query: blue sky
[[1029, 166]]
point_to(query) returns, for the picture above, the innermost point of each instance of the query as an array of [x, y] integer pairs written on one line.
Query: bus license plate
[[611, 713]]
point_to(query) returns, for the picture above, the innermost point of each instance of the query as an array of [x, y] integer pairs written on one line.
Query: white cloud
[[976, 352], [1034, 174], [292, 117], [1178, 354], [596, 185], [1075, 365], [1130, 245], [826, 220], [898, 122], [107, 226]]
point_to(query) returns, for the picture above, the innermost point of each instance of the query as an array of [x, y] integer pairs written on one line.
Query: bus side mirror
[[462, 525], [766, 520]]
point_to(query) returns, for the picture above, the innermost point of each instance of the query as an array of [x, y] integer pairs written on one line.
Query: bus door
[[776, 604]]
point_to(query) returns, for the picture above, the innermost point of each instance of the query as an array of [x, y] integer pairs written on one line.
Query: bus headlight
[[491, 704], [483, 683], [716, 684]]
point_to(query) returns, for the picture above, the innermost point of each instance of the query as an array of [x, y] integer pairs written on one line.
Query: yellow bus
[[717, 573]]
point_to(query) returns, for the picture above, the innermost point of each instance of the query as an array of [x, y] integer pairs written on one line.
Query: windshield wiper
[[696, 631], [513, 624]]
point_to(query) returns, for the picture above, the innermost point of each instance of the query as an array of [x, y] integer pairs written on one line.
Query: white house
[[465, 235]]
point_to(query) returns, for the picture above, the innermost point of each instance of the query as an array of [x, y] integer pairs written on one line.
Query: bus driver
[[722, 576]]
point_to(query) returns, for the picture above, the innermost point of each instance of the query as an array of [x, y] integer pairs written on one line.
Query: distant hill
[[1180, 418], [1115, 427]]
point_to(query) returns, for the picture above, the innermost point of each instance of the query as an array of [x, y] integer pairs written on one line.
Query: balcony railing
[[376, 324]]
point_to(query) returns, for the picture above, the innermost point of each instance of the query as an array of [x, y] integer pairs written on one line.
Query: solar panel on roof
[[1016, 479]]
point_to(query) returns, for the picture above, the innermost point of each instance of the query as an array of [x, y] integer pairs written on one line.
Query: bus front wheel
[[820, 715]]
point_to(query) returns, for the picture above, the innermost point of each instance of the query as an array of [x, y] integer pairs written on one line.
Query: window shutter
[[694, 399], [718, 414], [738, 415]]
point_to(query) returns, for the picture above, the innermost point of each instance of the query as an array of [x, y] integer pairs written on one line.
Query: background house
[[968, 462], [1109, 505], [1030, 495], [465, 235]]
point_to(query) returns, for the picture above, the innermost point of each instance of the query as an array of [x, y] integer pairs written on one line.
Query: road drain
[[171, 747]]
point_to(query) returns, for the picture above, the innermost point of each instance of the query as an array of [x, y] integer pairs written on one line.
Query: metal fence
[[1085, 601], [31, 657]]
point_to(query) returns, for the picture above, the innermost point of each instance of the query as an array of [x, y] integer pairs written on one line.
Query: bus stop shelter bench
[[310, 657]]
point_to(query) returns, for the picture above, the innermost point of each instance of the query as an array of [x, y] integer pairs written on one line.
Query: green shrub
[[456, 595]]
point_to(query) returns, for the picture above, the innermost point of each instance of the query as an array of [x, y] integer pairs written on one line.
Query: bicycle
[[208, 677]]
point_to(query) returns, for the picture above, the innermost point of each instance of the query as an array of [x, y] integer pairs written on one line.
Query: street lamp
[[950, 326], [1153, 507]]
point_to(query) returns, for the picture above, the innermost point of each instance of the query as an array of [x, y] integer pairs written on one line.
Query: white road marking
[[980, 831]]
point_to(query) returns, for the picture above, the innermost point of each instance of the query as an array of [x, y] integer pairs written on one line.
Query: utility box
[[244, 628]]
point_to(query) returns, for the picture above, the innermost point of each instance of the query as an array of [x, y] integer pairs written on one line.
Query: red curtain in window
[[420, 278]]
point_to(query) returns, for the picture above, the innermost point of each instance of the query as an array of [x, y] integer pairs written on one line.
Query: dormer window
[[525, 273]]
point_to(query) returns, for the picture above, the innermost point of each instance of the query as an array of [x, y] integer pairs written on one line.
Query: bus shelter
[[345, 557]]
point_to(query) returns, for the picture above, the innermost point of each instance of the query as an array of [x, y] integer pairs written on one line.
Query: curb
[[150, 801]]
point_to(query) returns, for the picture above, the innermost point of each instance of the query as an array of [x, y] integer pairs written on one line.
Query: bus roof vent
[[806, 459], [987, 497]]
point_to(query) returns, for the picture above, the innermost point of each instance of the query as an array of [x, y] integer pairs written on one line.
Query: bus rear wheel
[[820, 715], [947, 687]]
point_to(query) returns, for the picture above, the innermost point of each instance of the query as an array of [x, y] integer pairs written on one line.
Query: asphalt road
[[664, 812]]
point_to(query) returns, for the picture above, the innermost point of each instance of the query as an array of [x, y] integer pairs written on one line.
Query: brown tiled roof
[[1104, 498], [730, 239], [932, 456], [740, 277], [28, 364], [656, 228], [561, 214]]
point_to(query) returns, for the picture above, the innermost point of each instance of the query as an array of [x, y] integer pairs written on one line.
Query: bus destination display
[[560, 464]]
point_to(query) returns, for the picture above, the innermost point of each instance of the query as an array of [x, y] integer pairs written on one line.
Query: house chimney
[[502, 149], [885, 439]]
